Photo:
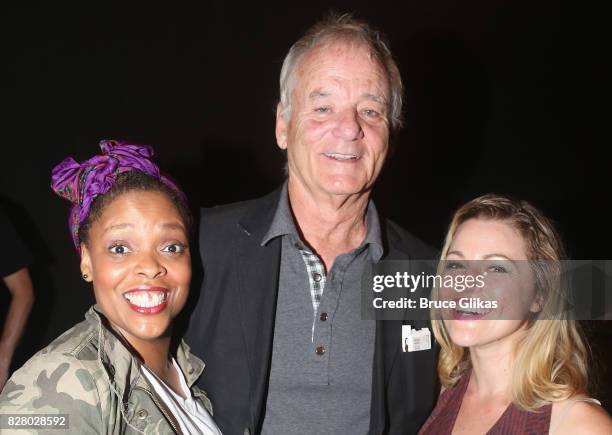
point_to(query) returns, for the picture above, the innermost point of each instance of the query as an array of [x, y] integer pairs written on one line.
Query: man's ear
[[86, 270], [281, 128]]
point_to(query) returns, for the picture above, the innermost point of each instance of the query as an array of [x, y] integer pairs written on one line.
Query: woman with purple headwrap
[[114, 372]]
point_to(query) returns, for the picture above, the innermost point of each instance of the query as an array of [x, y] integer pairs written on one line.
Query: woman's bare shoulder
[[576, 416]]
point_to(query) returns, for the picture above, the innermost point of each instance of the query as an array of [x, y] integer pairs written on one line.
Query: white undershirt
[[192, 417]]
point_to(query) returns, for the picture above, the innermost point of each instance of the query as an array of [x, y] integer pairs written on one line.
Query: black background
[[490, 107]]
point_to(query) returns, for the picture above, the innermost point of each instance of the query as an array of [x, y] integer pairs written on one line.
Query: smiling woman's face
[[138, 258], [498, 252]]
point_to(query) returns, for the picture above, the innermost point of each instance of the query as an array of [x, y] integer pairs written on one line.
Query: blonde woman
[[525, 374]]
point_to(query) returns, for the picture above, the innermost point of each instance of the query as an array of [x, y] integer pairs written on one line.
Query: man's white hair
[[343, 28]]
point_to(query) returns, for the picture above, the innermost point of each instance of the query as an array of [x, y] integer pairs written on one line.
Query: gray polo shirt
[[322, 358]]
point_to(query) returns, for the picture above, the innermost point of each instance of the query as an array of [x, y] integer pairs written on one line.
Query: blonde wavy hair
[[551, 360]]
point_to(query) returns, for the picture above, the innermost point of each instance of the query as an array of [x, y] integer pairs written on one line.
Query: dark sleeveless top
[[513, 421]]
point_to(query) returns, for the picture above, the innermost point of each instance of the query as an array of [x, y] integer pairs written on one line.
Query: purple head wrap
[[81, 183]]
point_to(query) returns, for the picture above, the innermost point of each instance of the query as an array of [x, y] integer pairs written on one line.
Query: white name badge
[[415, 339]]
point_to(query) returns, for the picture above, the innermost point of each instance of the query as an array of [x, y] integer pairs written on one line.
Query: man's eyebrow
[[374, 97], [318, 93]]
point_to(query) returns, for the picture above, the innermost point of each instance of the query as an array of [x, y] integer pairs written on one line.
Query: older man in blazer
[[278, 321]]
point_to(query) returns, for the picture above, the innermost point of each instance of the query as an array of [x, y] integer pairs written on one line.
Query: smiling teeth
[[342, 156], [146, 299], [477, 312]]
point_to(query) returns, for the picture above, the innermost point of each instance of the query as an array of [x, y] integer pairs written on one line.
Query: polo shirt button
[[320, 350], [317, 277], [142, 414], [323, 317]]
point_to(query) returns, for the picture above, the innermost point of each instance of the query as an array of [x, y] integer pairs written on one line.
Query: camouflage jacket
[[89, 374]]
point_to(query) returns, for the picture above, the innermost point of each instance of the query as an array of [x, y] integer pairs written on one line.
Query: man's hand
[[4, 371], [19, 285]]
